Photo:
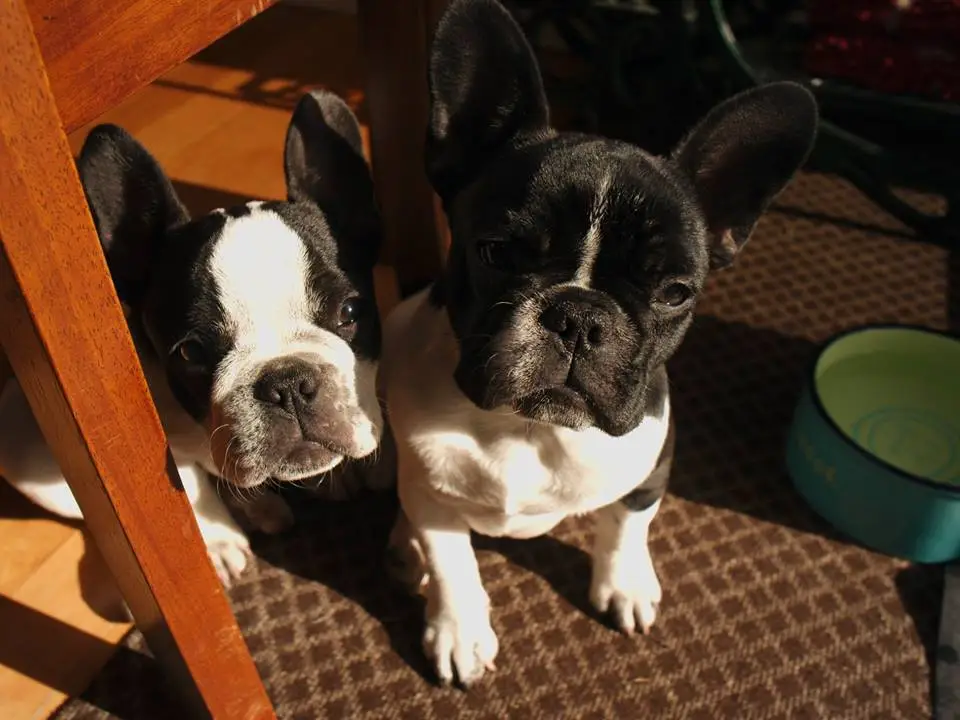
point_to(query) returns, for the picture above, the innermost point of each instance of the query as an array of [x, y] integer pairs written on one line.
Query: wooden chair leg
[[395, 37], [66, 339], [5, 371]]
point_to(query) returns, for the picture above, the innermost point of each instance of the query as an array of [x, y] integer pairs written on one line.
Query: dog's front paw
[[631, 594], [461, 643], [230, 554]]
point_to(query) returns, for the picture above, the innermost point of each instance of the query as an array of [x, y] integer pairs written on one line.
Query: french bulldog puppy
[[256, 325], [528, 383]]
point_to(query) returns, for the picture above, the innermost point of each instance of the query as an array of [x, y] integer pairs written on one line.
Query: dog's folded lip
[[307, 459], [570, 398], [328, 445], [555, 393], [295, 477]]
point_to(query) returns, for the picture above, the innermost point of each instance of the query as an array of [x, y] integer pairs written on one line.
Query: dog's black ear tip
[[322, 108], [802, 108], [108, 151], [477, 17], [794, 100], [108, 130], [311, 105], [107, 135], [324, 100], [461, 6], [790, 89]]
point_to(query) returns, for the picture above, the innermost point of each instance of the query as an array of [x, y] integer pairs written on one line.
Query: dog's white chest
[[506, 475], [518, 479]]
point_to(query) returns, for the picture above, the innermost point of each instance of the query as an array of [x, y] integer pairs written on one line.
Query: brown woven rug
[[767, 612]]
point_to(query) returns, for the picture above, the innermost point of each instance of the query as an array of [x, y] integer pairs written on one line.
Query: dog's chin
[[569, 408], [296, 475], [559, 406], [306, 460]]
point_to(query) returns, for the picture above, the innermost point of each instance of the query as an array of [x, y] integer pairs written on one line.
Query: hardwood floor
[[59, 610], [216, 124]]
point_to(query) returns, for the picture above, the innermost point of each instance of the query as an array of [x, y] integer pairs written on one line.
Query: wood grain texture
[[97, 53], [395, 39], [67, 342]]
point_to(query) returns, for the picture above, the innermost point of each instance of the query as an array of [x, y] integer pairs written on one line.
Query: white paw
[[269, 513], [631, 593], [461, 643], [230, 554]]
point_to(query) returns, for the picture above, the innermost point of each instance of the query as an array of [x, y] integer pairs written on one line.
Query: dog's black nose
[[574, 322], [288, 383]]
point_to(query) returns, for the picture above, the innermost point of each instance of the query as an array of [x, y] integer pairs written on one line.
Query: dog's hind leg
[[26, 461], [406, 562]]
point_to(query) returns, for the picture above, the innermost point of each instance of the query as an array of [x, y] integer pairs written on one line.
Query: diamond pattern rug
[[767, 612]]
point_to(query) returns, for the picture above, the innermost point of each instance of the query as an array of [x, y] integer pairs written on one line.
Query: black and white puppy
[[256, 326], [528, 383]]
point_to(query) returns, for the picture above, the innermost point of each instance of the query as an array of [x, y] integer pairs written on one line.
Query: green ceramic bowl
[[875, 441]]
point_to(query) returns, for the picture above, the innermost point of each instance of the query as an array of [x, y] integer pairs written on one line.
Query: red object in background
[[894, 46]]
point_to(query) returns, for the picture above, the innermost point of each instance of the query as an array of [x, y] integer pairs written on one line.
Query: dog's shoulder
[[419, 354]]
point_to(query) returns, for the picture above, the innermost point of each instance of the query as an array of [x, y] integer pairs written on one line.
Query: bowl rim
[[847, 440]]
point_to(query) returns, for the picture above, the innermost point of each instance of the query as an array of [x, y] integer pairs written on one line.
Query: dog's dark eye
[[515, 255], [350, 312], [674, 295], [494, 253], [192, 353]]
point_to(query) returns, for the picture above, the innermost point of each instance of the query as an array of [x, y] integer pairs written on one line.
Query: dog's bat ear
[[742, 154], [324, 164], [486, 92], [132, 202]]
